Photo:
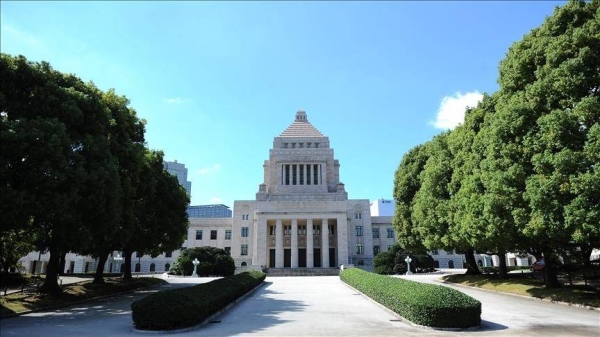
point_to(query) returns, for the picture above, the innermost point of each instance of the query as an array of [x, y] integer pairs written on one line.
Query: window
[[168, 254], [390, 233], [358, 230], [244, 249], [244, 232], [301, 230], [198, 234], [375, 233], [316, 230], [152, 267], [331, 230], [271, 230], [375, 250], [360, 248], [167, 266], [287, 230], [213, 234], [358, 216], [227, 250], [228, 234], [434, 252], [244, 216]]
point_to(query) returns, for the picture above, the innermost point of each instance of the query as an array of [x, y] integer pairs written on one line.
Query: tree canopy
[[70, 166], [521, 173]]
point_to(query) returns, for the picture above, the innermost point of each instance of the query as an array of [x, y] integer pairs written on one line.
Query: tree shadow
[[490, 326], [254, 314]]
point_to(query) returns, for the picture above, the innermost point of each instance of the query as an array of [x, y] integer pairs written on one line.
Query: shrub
[[181, 308], [392, 261], [213, 261], [423, 304]]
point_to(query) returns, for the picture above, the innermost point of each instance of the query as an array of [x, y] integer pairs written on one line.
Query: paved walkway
[[310, 306]]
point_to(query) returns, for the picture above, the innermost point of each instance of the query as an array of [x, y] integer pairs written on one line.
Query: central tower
[[301, 216], [301, 166]]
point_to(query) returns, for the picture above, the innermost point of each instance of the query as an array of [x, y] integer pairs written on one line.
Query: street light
[[408, 260], [196, 263], [118, 259]]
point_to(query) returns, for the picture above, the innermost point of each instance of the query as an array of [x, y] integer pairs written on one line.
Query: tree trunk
[[586, 254], [472, 267], [51, 282], [503, 269], [99, 276], [61, 265], [550, 274], [127, 269]]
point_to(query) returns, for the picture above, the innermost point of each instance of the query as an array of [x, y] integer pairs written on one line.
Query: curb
[[404, 320], [522, 296], [206, 320], [64, 305]]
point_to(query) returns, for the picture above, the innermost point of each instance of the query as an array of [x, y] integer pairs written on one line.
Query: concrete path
[[309, 306]]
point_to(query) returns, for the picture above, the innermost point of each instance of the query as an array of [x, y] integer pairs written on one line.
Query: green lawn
[[516, 284], [30, 300]]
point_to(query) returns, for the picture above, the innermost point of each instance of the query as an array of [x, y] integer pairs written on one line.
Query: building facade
[[179, 170], [209, 211]]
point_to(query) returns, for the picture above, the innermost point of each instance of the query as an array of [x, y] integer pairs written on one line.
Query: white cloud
[[174, 100], [216, 200], [452, 109], [207, 170]]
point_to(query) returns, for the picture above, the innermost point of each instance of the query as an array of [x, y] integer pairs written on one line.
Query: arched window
[[244, 264], [152, 267], [480, 263], [451, 264], [436, 264], [167, 267], [138, 267]]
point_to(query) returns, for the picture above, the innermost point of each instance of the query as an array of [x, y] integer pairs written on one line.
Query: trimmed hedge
[[182, 308], [424, 304]]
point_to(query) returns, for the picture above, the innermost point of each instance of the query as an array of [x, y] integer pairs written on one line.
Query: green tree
[[548, 104], [126, 135], [161, 221], [406, 184], [212, 261], [393, 261], [56, 157]]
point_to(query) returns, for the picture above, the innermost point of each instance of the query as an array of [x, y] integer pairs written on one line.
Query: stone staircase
[[303, 271]]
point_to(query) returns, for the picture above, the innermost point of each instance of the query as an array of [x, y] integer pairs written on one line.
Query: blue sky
[[216, 81]]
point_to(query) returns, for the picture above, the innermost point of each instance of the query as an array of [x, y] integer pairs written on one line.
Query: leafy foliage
[[521, 173], [213, 261], [393, 261], [423, 304]]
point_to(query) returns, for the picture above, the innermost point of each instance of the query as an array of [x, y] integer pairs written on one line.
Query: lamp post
[[196, 263], [408, 260], [118, 259]]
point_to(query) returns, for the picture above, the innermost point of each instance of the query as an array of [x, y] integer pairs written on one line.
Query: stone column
[[310, 263], [261, 243], [342, 239], [319, 175], [325, 243], [294, 243], [278, 244]]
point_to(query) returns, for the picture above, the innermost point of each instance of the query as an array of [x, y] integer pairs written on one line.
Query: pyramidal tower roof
[[301, 127]]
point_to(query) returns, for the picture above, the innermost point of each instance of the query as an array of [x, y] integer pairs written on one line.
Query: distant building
[[382, 207], [180, 172], [209, 211]]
